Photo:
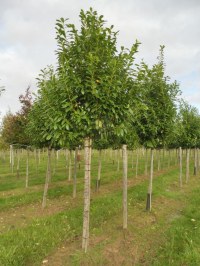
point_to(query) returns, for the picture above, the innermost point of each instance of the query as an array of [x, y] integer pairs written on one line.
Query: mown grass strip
[[29, 245], [182, 245]]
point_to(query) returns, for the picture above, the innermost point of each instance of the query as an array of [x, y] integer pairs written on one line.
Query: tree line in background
[[97, 96]]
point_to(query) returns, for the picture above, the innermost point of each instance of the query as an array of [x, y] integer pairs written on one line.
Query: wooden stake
[[187, 165], [48, 177], [98, 181], [149, 194], [180, 167], [86, 211], [75, 172], [125, 166]]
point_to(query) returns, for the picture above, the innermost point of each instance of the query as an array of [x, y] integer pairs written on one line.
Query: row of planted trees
[[97, 96]]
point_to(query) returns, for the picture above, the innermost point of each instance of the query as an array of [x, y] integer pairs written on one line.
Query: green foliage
[[88, 95], [40, 118], [3, 144], [187, 126], [157, 110]]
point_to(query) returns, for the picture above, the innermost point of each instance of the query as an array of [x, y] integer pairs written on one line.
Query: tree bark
[[10, 155], [75, 172], [187, 165], [18, 160], [159, 160], [11, 158], [125, 166], [136, 166], [98, 181], [149, 194], [27, 168], [180, 167], [132, 159], [70, 165], [87, 176], [195, 161], [55, 162], [39, 156], [118, 160], [48, 177], [146, 163], [169, 158]]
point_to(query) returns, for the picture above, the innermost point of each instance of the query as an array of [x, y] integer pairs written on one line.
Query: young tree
[[188, 132], [158, 98], [91, 92], [14, 125]]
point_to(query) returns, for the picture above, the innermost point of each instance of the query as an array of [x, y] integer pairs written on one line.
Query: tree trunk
[[136, 166], [79, 159], [163, 159], [146, 163], [132, 159], [159, 160], [98, 181], [149, 194], [70, 165], [55, 162], [48, 177], [27, 168], [125, 166], [11, 158], [169, 158], [39, 157], [177, 156], [195, 161], [180, 167], [187, 165], [118, 159], [75, 172], [86, 211], [18, 160]]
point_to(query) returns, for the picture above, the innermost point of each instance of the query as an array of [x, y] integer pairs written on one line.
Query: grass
[[182, 242], [9, 182], [31, 244]]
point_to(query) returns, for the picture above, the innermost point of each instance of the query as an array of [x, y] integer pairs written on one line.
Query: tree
[[14, 125], [187, 134], [188, 126], [91, 90], [159, 97], [158, 103]]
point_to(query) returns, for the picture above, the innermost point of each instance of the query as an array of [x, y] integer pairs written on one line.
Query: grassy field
[[33, 236]]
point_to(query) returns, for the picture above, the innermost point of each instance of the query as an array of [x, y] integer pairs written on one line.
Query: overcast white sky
[[27, 38]]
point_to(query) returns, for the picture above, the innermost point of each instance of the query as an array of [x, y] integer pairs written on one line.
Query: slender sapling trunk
[[187, 165], [86, 211], [149, 194], [125, 166], [98, 181], [75, 172], [48, 177]]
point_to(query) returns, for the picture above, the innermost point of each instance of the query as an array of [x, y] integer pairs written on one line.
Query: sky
[[27, 39]]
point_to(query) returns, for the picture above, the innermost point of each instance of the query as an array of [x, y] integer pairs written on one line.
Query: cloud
[[28, 43]]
